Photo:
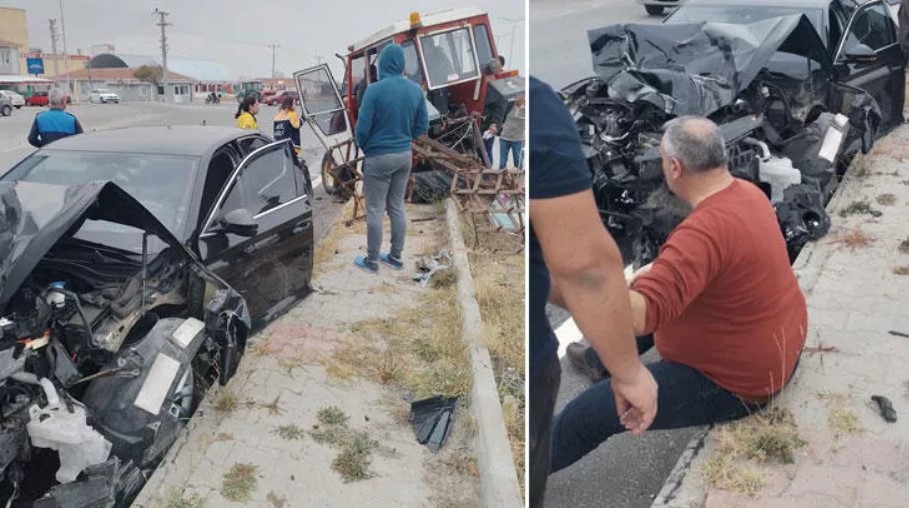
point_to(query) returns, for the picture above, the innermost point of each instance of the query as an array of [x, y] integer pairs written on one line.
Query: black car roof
[[816, 4], [194, 140]]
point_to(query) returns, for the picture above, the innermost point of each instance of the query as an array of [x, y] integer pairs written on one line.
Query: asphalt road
[[14, 131], [627, 471]]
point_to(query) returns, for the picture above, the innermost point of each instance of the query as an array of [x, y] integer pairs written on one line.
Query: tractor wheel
[[328, 180], [654, 10]]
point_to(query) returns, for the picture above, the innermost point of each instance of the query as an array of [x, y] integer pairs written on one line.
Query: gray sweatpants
[[384, 185]]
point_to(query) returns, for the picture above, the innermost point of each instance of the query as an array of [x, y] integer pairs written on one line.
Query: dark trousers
[[686, 398], [544, 387]]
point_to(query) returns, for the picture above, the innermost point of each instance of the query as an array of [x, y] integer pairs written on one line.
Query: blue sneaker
[[397, 264], [366, 265]]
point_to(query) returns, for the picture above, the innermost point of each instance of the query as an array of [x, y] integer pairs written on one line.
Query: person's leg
[[504, 146], [516, 148], [544, 387], [644, 343], [395, 203], [686, 398], [376, 180], [488, 144]]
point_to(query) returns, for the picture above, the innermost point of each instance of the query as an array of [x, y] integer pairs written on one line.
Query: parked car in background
[[6, 108], [103, 96], [16, 100], [656, 7], [278, 98], [265, 95], [37, 99]]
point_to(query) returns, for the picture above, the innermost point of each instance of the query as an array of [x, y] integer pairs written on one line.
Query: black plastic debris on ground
[[886, 407], [432, 419]]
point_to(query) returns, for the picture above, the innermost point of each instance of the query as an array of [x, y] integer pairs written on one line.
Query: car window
[[484, 48], [250, 144], [412, 63], [872, 27], [267, 181]]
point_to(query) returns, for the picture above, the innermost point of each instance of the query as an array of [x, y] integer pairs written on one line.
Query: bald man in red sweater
[[721, 300]]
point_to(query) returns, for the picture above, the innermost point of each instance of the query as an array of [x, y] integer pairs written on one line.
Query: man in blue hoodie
[[54, 123], [392, 115]]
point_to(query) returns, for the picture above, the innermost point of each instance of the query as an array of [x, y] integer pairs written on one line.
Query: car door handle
[[301, 227]]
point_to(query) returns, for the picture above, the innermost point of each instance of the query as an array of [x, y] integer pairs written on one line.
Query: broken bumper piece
[[432, 419]]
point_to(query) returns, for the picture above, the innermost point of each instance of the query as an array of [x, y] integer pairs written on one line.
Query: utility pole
[[65, 53], [53, 33], [273, 48], [164, 24]]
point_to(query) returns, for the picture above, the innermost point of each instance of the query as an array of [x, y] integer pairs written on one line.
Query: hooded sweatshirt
[[393, 112]]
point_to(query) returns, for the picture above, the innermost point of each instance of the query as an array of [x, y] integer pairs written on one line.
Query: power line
[[164, 24]]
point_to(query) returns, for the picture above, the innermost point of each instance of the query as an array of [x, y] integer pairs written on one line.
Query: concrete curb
[[498, 478], [679, 493]]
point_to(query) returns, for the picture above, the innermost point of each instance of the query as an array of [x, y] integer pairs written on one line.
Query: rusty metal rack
[[494, 199]]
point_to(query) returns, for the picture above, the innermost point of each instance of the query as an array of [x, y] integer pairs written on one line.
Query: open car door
[[327, 117]]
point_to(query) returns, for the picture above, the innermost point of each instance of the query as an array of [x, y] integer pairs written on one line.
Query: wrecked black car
[[794, 106], [123, 299]]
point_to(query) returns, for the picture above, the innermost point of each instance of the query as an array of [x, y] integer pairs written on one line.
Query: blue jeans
[[515, 148], [686, 398], [488, 143]]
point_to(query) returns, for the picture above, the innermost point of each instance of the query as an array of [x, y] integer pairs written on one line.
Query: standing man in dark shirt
[[570, 248]]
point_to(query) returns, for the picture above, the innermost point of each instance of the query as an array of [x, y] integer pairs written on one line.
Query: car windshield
[[161, 183], [104, 90], [741, 14]]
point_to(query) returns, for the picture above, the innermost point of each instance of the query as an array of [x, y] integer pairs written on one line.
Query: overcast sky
[[237, 32]]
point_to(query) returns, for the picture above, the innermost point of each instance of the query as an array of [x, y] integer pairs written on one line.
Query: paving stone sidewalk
[[852, 457], [282, 382]]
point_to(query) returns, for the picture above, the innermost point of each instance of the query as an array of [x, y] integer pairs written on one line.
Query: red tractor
[[446, 53]]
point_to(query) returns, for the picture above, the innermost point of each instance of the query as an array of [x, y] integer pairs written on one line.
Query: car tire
[[6, 110], [654, 10]]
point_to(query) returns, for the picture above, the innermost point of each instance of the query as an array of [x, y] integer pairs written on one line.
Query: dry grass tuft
[[239, 482], [855, 238], [226, 402], [840, 416], [768, 436], [901, 270], [444, 279], [355, 447], [326, 251], [886, 199], [862, 207], [178, 499], [723, 472], [289, 432]]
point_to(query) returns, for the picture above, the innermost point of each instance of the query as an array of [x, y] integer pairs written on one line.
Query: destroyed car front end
[[791, 126], [105, 352]]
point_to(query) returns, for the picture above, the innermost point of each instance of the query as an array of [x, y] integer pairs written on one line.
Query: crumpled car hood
[[696, 69], [35, 216]]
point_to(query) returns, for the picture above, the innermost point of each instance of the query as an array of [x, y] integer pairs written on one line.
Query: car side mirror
[[239, 222], [861, 54]]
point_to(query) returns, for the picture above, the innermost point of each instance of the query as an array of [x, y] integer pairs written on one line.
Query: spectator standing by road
[[246, 113], [54, 123], [287, 123], [493, 109], [512, 136], [571, 250], [392, 115]]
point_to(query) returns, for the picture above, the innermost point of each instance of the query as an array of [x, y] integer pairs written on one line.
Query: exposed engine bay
[[790, 128], [104, 353]]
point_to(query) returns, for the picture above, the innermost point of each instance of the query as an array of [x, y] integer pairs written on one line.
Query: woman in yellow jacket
[[287, 123], [246, 113]]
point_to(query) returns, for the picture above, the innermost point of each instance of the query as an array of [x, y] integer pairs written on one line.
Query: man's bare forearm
[[638, 312], [597, 299]]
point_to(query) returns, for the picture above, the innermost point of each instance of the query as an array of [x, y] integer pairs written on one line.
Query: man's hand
[[636, 400], [586, 270]]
